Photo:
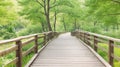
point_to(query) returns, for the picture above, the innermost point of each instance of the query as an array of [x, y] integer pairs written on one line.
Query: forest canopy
[[23, 17]]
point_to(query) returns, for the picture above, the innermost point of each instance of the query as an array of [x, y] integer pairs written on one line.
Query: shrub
[[30, 29]]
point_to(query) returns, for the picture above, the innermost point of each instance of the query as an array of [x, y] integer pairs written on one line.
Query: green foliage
[[7, 32], [30, 29], [96, 16], [7, 12]]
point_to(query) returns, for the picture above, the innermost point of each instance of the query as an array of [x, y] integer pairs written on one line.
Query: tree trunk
[[106, 29], [48, 15], [117, 26], [113, 27], [75, 24], [64, 25], [95, 23], [55, 21], [46, 7], [43, 26]]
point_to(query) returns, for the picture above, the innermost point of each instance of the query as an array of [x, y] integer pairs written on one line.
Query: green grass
[[105, 55]]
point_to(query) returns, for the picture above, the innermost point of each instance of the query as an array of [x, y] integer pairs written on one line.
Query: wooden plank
[[35, 56], [16, 39], [27, 42], [102, 36], [66, 51], [8, 50], [12, 62], [28, 51], [10, 40], [29, 36], [40, 36]]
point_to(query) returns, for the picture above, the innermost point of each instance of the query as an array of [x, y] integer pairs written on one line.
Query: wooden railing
[[19, 44], [94, 40]]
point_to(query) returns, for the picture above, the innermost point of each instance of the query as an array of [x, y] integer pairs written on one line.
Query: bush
[[30, 29], [114, 34], [5, 34]]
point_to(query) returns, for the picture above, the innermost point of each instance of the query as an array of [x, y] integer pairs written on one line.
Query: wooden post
[[111, 52], [48, 36], [36, 43], [51, 36], [84, 36], [89, 40], [95, 43], [19, 53], [79, 35], [45, 39]]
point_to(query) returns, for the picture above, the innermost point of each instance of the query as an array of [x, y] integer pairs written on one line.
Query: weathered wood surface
[[66, 51]]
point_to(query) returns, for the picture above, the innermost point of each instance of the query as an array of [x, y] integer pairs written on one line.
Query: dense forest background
[[23, 17]]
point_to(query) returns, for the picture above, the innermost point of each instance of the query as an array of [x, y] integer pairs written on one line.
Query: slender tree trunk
[[75, 24], [46, 7], [106, 29], [95, 23], [43, 26], [48, 15], [64, 25], [78, 26], [113, 27], [55, 21], [117, 26]]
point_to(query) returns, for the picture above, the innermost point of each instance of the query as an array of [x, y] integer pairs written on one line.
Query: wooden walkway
[[66, 51]]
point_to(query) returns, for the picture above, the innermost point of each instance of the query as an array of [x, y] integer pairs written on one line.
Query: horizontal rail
[[96, 39], [28, 41], [20, 43], [12, 62], [9, 50], [28, 51]]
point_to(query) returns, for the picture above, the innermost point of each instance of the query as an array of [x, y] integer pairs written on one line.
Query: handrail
[[46, 36], [102, 36], [93, 40]]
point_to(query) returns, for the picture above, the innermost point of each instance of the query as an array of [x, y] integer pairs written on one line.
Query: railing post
[[36, 43], [95, 43], [88, 37], [45, 37], [111, 52], [19, 53], [48, 36], [79, 35], [84, 36], [52, 34]]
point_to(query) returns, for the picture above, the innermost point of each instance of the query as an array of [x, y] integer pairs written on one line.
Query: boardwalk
[[66, 51]]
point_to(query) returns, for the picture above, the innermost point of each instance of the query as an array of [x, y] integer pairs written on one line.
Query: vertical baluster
[[36, 43], [95, 43], [111, 52], [19, 53], [45, 39], [89, 39]]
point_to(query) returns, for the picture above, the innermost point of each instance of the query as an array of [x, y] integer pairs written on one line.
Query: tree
[[7, 12]]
